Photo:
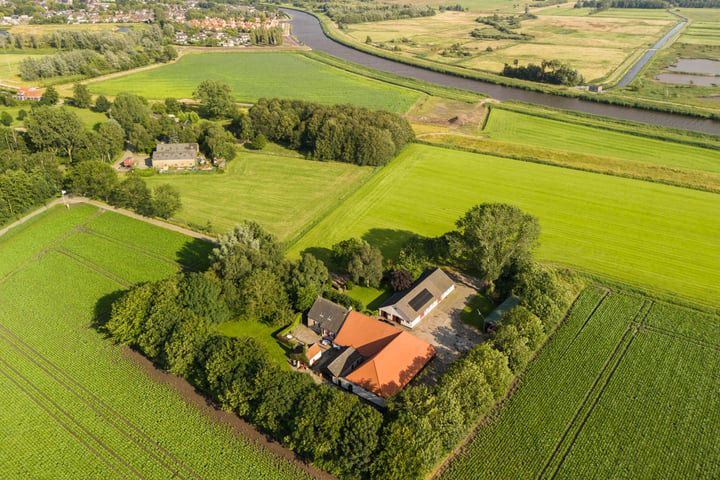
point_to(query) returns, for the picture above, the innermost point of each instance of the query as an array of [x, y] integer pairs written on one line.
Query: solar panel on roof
[[420, 299]]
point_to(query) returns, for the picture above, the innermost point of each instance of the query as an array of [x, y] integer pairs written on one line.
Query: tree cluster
[[349, 14], [361, 260], [343, 133], [502, 27], [266, 36], [93, 53], [549, 71]]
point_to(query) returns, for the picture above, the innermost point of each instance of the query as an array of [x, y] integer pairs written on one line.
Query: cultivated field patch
[[253, 75], [606, 387], [74, 405], [644, 233]]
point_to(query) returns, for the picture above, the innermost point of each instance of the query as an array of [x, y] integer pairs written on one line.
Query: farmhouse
[[175, 155], [389, 358], [326, 317], [411, 306], [28, 94]]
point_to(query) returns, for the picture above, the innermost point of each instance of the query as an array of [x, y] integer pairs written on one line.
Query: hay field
[[656, 236]]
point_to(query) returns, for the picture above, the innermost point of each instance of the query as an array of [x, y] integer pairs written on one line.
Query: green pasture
[[647, 234], [371, 297], [514, 127], [284, 194], [630, 13], [609, 384], [76, 405], [253, 75]]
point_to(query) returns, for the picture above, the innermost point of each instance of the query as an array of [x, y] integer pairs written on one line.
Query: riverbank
[[319, 34]]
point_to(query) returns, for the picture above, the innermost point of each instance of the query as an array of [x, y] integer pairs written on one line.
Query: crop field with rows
[[76, 405], [617, 393]]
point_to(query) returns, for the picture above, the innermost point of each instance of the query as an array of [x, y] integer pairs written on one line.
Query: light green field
[[254, 75], [705, 26], [283, 194], [516, 127], [653, 235], [610, 384], [74, 404], [88, 117]]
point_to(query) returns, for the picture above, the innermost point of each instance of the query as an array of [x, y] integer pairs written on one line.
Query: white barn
[[411, 306]]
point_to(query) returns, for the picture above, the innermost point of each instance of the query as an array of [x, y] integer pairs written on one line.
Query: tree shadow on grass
[[389, 241], [103, 309], [194, 255], [324, 254]]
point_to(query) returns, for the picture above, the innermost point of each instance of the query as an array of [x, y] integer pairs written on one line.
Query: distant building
[[28, 94], [595, 88], [411, 306], [175, 155]]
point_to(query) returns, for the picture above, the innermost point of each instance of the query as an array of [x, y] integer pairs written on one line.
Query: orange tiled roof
[[313, 350], [396, 356]]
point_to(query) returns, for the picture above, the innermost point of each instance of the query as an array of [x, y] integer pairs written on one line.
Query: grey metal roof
[[327, 314], [497, 314], [343, 362], [175, 151], [431, 285]]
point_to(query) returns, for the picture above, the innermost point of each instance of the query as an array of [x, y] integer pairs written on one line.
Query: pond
[[696, 65], [686, 79]]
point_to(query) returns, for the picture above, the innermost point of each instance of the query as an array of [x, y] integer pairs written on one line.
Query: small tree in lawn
[[81, 96], [258, 143], [6, 119], [166, 201], [216, 98], [50, 97]]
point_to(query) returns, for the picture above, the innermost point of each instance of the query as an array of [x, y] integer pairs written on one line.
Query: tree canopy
[[216, 99]]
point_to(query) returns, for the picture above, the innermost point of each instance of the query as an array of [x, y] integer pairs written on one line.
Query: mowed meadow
[[625, 389], [646, 234], [75, 405], [284, 194], [253, 75]]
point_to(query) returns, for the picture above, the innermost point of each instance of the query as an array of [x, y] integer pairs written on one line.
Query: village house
[[175, 155], [379, 359], [411, 306], [28, 94], [326, 317]]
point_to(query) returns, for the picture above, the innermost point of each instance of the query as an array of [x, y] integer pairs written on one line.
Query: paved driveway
[[443, 327]]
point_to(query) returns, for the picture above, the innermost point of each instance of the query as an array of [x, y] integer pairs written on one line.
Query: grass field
[[74, 404], [283, 194], [516, 127], [647, 234], [253, 75], [88, 117], [621, 391], [595, 45]]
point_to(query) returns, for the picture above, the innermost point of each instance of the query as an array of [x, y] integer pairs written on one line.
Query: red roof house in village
[[391, 357], [28, 94]]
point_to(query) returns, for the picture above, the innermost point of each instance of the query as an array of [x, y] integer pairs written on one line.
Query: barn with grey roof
[[411, 306]]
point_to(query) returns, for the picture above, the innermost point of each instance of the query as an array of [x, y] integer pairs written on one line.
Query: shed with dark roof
[[326, 317], [411, 306]]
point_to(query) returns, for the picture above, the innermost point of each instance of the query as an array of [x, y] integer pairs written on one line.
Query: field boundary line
[[70, 417], [632, 330], [102, 405], [687, 338], [94, 267]]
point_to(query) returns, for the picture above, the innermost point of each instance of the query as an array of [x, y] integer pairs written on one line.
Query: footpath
[[71, 199]]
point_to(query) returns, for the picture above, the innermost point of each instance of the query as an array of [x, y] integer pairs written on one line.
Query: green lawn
[[74, 405], [254, 75], [525, 129], [470, 314], [283, 194], [609, 385], [647, 234], [371, 297], [262, 332]]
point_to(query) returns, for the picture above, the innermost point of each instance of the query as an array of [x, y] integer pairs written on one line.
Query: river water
[[307, 29]]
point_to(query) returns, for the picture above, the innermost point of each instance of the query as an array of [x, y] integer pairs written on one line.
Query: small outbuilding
[[411, 306], [497, 315], [313, 354]]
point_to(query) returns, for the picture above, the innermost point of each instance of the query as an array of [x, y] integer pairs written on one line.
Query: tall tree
[[81, 96], [493, 236], [216, 98], [55, 130], [166, 201]]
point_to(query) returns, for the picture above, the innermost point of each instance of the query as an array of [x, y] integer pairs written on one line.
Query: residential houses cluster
[[371, 357]]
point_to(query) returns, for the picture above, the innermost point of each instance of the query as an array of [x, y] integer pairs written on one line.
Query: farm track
[[45, 405], [614, 359], [135, 435], [145, 251], [94, 267]]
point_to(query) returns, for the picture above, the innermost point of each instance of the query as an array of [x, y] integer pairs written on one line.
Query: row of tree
[[549, 71], [266, 37], [173, 322], [344, 133], [93, 53], [349, 14]]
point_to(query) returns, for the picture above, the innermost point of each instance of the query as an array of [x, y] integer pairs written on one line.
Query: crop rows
[[658, 417], [532, 425], [691, 324], [73, 405]]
